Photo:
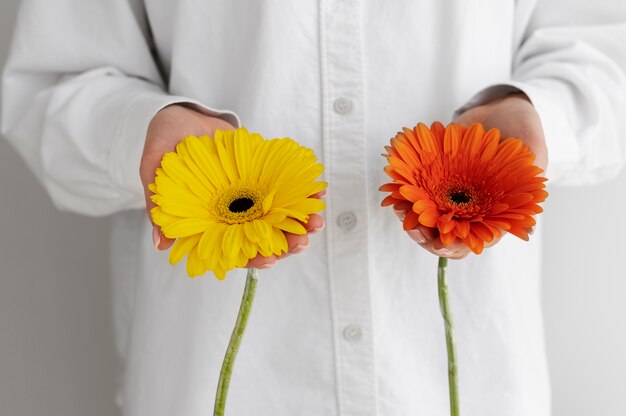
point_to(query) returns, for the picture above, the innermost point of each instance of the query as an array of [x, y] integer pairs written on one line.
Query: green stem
[[235, 341], [453, 383]]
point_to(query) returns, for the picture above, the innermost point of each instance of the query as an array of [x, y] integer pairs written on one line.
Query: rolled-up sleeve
[[78, 92], [571, 63]]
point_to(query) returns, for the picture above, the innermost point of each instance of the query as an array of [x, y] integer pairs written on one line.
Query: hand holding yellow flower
[[228, 199]]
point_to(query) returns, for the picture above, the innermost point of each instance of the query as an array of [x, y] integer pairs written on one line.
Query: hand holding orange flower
[[464, 187], [519, 119]]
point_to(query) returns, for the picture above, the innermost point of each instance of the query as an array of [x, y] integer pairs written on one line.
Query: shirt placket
[[345, 157]]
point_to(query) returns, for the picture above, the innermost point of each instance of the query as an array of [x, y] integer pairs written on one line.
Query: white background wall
[[57, 356], [56, 346]]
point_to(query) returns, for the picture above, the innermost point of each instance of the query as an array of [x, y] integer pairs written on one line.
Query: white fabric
[[85, 77]]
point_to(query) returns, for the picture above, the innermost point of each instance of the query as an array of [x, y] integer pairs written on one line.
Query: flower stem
[[453, 383], [235, 341]]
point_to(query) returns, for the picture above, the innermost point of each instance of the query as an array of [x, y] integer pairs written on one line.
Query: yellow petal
[[194, 264], [233, 237], [219, 273], [186, 227], [262, 229], [225, 149], [182, 247], [291, 226], [243, 153], [308, 206], [210, 244], [278, 242], [274, 217], [250, 250], [250, 232]]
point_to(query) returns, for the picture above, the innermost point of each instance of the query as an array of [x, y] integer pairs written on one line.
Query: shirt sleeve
[[78, 92], [571, 63]]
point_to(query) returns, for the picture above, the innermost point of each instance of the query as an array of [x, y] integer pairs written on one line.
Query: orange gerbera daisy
[[464, 182]]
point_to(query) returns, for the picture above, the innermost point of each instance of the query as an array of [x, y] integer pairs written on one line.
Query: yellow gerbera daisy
[[228, 198]]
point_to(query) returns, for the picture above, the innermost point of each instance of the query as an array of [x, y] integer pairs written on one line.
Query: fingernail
[[156, 238], [445, 252], [269, 264], [299, 248], [417, 236], [401, 214], [319, 228]]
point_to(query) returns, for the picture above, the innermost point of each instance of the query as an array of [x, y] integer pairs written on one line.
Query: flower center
[[460, 197], [241, 205]]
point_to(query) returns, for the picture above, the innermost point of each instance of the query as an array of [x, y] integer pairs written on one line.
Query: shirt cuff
[[138, 110], [563, 150]]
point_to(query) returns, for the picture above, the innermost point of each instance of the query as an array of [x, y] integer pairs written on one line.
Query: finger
[[461, 257], [423, 235], [315, 223], [417, 236], [400, 213], [401, 208], [493, 242], [321, 194], [260, 262], [159, 241], [456, 245], [454, 254], [296, 243], [428, 232], [149, 165]]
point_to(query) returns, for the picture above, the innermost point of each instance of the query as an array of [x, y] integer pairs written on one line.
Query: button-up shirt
[[351, 327]]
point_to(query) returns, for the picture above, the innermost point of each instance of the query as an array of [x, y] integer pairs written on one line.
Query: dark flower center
[[241, 205], [460, 197]]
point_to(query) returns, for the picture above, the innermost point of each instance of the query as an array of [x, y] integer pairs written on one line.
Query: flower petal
[[429, 217]]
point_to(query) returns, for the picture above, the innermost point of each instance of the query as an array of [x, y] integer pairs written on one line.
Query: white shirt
[[352, 326]]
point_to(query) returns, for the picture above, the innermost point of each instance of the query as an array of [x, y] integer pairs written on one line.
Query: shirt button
[[346, 220], [352, 333], [342, 105]]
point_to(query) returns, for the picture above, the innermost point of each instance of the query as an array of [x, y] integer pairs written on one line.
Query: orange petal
[[490, 145], [429, 217], [446, 224], [422, 205], [472, 139], [438, 130], [389, 187], [451, 140], [411, 220], [447, 238], [426, 138], [482, 231], [474, 243], [504, 225], [413, 193], [515, 201], [412, 139], [462, 228], [519, 232], [389, 200], [497, 208]]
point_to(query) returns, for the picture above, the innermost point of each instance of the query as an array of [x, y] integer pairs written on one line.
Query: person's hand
[[166, 129], [514, 116]]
